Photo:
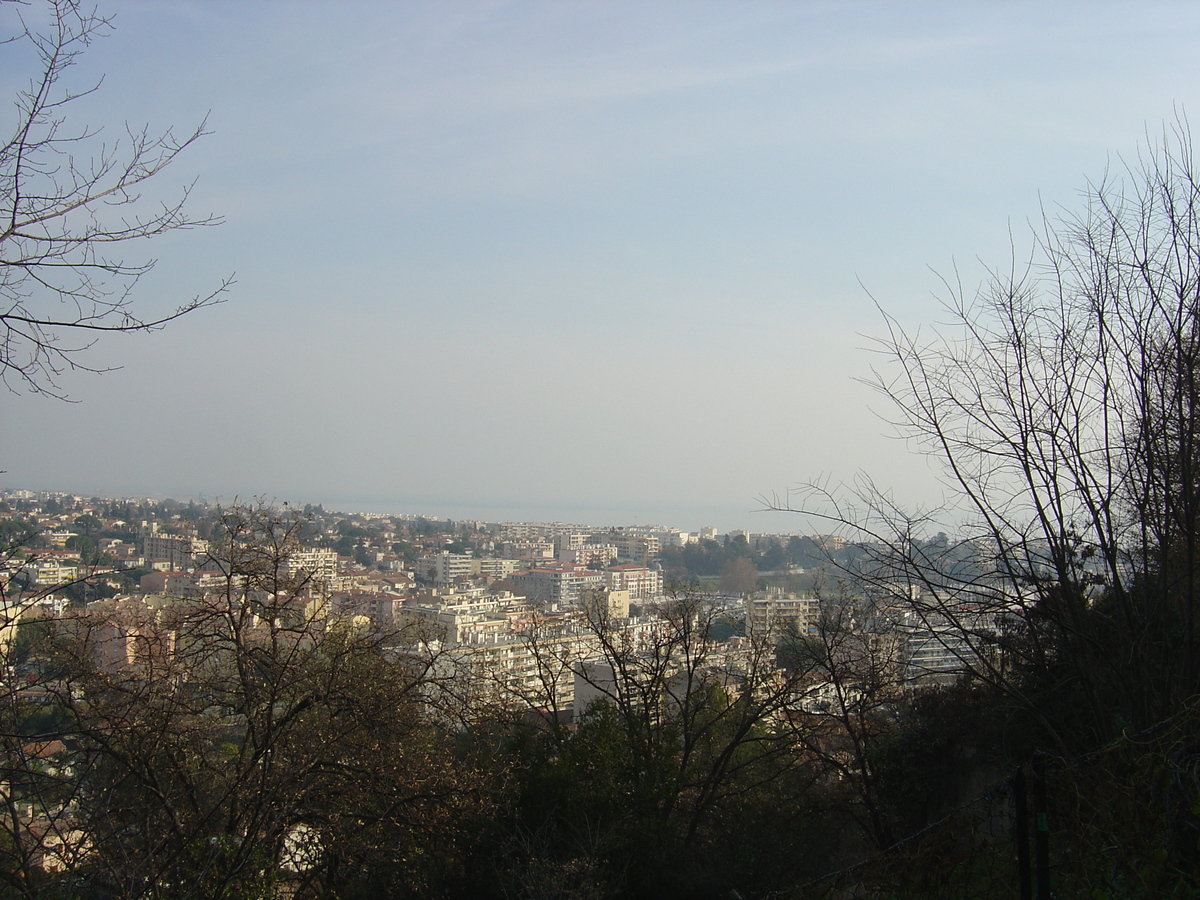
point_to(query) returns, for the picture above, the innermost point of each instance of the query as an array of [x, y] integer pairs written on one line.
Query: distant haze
[[606, 262]]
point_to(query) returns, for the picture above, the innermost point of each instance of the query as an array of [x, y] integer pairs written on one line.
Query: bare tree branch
[[69, 204], [1061, 401]]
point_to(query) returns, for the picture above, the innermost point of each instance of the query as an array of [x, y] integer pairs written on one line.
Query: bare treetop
[[70, 203]]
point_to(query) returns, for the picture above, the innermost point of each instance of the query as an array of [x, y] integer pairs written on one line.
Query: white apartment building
[[773, 611], [532, 550], [559, 584], [468, 619], [318, 565], [445, 568], [535, 666], [635, 548], [570, 539], [641, 582], [588, 554], [672, 537], [51, 572], [176, 551], [938, 648]]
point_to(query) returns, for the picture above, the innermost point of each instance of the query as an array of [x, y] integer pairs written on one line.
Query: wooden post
[[1041, 839], [1021, 835]]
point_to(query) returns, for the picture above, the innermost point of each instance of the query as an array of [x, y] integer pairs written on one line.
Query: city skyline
[[585, 517]]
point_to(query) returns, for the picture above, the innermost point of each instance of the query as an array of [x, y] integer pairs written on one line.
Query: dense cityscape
[[474, 586], [590, 261], [542, 628]]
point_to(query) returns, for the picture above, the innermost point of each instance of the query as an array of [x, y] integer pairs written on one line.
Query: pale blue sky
[[594, 261]]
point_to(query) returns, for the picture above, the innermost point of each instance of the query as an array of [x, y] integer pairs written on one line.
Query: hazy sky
[[591, 261]]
